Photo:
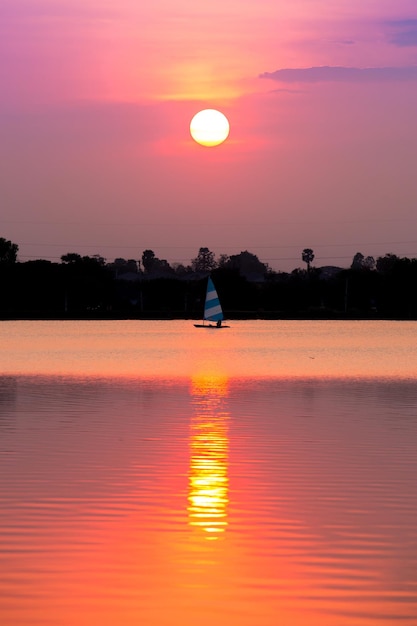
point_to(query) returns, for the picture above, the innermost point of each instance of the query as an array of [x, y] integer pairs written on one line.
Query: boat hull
[[211, 326]]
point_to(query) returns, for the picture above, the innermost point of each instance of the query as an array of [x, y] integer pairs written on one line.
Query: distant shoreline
[[154, 316]]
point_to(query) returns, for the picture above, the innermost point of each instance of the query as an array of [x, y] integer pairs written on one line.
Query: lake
[[157, 474]]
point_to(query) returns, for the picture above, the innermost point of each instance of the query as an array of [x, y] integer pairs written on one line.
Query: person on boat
[[219, 323]]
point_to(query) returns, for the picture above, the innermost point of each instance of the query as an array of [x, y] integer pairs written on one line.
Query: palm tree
[[308, 256]]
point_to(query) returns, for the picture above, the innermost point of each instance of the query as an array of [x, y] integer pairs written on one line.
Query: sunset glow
[[208, 479], [95, 115]]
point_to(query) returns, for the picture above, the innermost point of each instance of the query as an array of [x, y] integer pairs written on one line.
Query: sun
[[209, 127]]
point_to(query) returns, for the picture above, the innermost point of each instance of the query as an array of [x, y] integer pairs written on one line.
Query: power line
[[263, 247], [187, 222], [263, 259]]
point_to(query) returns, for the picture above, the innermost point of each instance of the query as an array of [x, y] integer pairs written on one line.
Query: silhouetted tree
[[180, 269], [307, 256], [133, 265], [204, 261], [152, 265], [357, 262], [369, 263], [163, 267], [362, 263], [86, 282], [385, 264], [223, 260], [247, 264], [8, 251], [100, 259], [70, 257], [148, 260], [120, 266]]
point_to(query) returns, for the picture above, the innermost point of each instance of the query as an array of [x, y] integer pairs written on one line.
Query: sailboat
[[212, 308]]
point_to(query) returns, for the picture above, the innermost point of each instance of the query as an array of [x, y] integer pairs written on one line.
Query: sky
[[96, 98]]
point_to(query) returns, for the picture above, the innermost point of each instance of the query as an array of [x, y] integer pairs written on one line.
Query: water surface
[[153, 474], [175, 348]]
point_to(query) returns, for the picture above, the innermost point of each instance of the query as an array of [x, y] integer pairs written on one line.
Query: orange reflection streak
[[208, 477]]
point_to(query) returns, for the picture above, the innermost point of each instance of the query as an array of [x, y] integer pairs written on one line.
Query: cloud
[[342, 74], [404, 33], [344, 42], [285, 90]]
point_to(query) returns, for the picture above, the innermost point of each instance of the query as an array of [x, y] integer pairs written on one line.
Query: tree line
[[89, 286], [153, 267]]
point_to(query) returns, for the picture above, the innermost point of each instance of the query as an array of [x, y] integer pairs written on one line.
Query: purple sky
[[96, 98]]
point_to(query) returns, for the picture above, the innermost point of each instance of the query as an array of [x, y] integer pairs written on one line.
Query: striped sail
[[212, 310]]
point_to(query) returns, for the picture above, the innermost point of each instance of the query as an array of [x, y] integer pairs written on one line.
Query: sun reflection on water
[[209, 448]]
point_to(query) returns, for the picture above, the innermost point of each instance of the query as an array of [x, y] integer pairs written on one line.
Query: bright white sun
[[209, 127]]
